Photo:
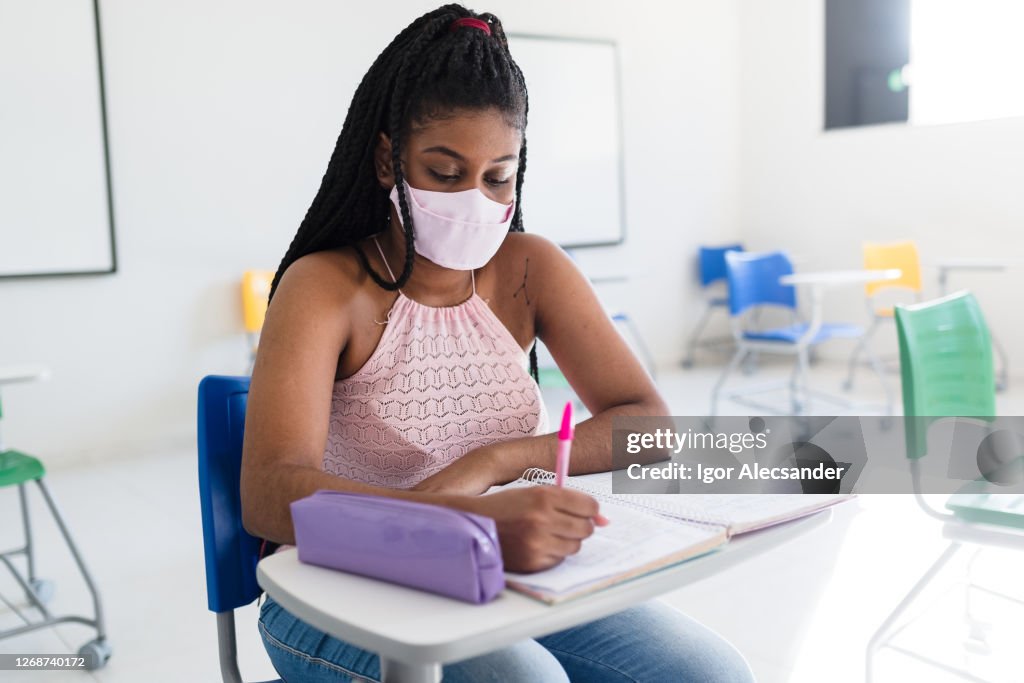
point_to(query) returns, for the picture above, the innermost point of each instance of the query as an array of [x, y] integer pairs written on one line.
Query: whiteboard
[[54, 192], [573, 187]]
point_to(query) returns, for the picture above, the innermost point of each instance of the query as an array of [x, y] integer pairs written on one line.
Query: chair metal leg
[[877, 639], [736, 359], [14, 610], [227, 648], [796, 381], [1003, 376], [29, 593], [876, 365], [29, 553], [392, 671], [691, 344], [101, 631], [862, 346]]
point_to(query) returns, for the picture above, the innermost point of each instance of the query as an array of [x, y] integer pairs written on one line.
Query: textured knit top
[[441, 382]]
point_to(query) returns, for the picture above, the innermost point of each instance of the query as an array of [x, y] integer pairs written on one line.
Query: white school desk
[[416, 632], [818, 282], [13, 374]]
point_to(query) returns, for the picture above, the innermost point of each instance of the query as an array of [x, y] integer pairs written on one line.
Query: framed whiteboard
[[56, 213], [573, 190]]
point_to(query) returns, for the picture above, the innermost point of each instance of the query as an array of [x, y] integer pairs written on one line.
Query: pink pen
[[564, 445]]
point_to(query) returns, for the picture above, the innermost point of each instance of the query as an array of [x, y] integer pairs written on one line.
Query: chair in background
[[19, 469], [945, 364], [231, 552], [712, 270], [947, 371], [255, 291], [899, 255], [629, 332], [754, 284]]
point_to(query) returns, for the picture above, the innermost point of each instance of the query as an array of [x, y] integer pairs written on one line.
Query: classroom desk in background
[[14, 374], [981, 265], [819, 281], [416, 632]]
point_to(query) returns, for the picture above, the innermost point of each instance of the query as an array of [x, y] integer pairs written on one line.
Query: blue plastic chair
[[231, 552], [711, 269], [754, 283], [712, 264]]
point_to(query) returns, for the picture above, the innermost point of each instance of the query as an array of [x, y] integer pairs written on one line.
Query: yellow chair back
[[902, 255], [255, 290]]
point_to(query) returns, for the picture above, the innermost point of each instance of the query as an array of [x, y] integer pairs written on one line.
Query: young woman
[[393, 360]]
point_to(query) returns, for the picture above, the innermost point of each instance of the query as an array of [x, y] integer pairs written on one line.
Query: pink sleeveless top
[[441, 382]]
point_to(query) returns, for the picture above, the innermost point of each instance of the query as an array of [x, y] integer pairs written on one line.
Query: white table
[[818, 282], [29, 372], [991, 265], [831, 278], [416, 632]]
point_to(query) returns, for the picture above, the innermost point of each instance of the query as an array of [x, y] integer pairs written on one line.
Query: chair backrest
[[711, 262], [231, 552], [945, 363], [255, 291], [754, 280], [902, 255]]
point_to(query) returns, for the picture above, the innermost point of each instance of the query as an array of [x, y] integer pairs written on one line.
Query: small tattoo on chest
[[522, 287]]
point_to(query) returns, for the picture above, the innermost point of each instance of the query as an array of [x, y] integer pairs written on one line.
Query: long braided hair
[[427, 71]]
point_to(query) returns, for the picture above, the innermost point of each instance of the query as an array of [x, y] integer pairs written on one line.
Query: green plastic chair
[[946, 365], [947, 371], [21, 469]]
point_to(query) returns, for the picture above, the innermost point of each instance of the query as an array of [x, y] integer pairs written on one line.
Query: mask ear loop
[[387, 225]]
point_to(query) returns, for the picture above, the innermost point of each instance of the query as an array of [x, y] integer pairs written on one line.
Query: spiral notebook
[[652, 531]]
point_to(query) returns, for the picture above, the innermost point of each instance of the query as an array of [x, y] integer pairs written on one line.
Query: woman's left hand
[[470, 475]]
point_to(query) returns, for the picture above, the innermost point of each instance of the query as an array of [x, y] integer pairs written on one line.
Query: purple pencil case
[[429, 547]]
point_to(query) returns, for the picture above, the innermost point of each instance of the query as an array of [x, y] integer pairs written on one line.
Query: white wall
[[956, 189], [199, 197]]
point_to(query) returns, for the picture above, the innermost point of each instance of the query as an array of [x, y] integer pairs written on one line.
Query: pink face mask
[[457, 230]]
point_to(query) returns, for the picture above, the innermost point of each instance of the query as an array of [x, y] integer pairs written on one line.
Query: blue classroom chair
[[754, 283], [231, 552], [711, 269]]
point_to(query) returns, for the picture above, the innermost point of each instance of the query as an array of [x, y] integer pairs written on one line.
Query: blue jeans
[[650, 643]]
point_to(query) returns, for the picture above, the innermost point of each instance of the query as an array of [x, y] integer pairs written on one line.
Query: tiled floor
[[803, 612]]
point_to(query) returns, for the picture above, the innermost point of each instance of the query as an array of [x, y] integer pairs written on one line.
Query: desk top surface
[[840, 277], [418, 627], [978, 263], [25, 372]]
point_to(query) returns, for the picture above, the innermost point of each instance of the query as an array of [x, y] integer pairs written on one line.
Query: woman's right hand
[[538, 526]]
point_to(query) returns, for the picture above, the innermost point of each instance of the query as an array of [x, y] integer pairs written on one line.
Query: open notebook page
[[634, 543], [739, 512]]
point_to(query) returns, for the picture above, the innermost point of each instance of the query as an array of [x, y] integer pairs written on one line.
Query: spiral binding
[[693, 516]]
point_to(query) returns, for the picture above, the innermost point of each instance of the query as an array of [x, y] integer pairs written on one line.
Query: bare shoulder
[[328, 274], [534, 253]]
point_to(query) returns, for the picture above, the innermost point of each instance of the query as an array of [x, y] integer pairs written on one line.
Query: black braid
[[426, 72]]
